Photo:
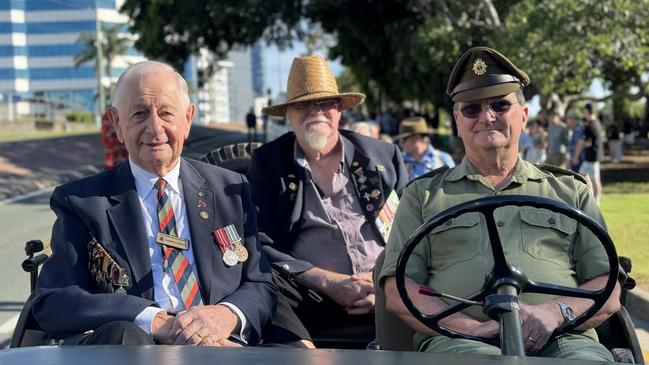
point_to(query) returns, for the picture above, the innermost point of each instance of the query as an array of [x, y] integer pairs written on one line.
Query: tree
[[406, 48], [113, 44]]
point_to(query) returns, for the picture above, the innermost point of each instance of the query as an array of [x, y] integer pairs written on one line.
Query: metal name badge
[[171, 241]]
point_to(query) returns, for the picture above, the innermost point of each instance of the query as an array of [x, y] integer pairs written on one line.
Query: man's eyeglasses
[[473, 110], [323, 105]]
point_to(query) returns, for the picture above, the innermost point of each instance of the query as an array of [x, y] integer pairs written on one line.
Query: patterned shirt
[[430, 160]]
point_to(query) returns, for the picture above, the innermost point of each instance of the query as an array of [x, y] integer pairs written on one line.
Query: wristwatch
[[567, 312]]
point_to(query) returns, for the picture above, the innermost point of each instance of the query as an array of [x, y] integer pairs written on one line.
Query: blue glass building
[[38, 42]]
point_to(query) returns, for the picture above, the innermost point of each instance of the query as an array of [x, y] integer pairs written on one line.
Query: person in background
[[419, 155], [536, 153], [558, 139], [614, 143], [576, 127], [592, 146], [366, 128], [251, 122]]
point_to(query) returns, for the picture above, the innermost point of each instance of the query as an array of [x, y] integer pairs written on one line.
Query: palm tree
[[112, 43]]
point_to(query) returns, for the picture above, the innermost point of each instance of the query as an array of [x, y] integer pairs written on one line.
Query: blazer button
[[551, 220], [286, 267], [500, 224]]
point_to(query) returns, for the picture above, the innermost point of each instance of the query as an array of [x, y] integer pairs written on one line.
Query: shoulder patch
[[559, 171], [429, 174]]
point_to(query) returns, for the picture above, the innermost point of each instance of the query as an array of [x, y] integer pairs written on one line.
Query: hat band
[[314, 92], [484, 81]]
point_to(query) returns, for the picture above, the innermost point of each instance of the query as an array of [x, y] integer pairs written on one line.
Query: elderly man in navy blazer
[[161, 249], [326, 198]]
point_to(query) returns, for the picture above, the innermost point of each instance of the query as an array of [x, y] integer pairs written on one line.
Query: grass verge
[[625, 207]]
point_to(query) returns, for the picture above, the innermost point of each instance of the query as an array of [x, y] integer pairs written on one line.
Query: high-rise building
[[38, 42]]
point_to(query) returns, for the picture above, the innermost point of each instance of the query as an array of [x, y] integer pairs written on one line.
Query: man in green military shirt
[[491, 114]]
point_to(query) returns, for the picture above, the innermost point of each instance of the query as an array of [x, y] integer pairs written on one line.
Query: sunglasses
[[323, 105], [473, 110]]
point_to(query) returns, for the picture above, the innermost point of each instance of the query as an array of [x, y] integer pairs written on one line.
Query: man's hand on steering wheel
[[538, 322]]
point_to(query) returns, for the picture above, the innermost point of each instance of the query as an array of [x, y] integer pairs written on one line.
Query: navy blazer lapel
[[367, 180], [128, 223], [201, 211]]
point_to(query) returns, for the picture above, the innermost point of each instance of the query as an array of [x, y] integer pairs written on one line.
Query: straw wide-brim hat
[[311, 79], [411, 126]]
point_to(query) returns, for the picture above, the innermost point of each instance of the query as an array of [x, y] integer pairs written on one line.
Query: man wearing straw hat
[[418, 154], [326, 199], [491, 113]]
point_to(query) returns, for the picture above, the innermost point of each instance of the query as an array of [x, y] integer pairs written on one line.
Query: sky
[[277, 64]]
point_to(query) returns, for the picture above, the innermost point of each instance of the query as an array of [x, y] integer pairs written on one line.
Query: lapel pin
[[200, 194], [362, 179], [202, 204], [369, 207], [292, 186], [354, 163], [204, 215], [366, 196], [380, 168], [375, 193]]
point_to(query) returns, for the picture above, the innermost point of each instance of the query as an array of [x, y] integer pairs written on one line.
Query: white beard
[[315, 140], [314, 137]]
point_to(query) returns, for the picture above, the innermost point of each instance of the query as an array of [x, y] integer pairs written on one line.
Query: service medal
[[230, 258], [242, 252]]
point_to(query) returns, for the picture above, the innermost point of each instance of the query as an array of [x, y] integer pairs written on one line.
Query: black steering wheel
[[502, 272]]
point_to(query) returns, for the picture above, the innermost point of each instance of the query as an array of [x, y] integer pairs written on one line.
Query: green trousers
[[569, 346]]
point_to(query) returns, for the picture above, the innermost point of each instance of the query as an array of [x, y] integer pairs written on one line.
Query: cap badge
[[479, 67]]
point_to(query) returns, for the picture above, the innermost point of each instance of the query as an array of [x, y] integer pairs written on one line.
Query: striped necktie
[[175, 263]]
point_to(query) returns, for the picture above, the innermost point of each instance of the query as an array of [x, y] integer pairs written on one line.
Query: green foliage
[[80, 117], [405, 49]]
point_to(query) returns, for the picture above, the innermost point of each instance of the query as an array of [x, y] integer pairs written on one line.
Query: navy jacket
[[273, 171], [106, 206]]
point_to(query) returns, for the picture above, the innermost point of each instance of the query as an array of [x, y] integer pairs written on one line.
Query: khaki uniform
[[454, 258]]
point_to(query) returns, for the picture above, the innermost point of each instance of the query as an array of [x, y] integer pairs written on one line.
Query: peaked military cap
[[483, 72]]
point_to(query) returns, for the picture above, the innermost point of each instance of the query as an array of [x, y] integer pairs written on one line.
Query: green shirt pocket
[[456, 240], [548, 236]]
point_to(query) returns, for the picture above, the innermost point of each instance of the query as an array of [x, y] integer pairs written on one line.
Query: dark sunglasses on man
[[323, 105], [473, 110]]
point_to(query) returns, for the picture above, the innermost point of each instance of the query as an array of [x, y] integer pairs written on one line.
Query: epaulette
[[558, 170], [429, 174]]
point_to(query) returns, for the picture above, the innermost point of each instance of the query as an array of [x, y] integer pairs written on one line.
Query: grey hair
[[520, 98], [143, 67]]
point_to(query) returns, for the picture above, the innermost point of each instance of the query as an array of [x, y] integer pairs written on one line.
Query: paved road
[[19, 222]]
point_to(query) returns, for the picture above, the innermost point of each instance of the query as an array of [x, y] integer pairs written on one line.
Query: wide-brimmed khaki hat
[[411, 126], [483, 72], [311, 79]]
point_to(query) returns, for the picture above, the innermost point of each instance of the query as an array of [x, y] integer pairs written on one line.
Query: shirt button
[[551, 220], [500, 224]]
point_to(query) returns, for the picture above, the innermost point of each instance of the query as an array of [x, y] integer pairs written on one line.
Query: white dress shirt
[[165, 290]]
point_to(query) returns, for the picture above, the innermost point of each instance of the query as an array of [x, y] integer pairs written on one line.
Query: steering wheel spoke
[[560, 290]]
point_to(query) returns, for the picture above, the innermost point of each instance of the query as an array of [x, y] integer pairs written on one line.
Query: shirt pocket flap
[[464, 221], [547, 219]]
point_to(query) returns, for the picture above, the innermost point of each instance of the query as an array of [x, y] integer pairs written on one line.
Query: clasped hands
[[205, 325], [354, 292]]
